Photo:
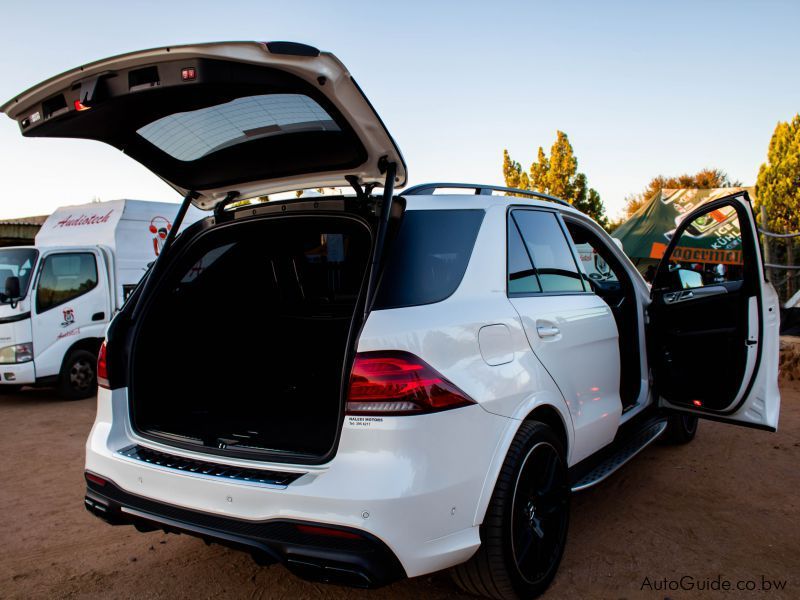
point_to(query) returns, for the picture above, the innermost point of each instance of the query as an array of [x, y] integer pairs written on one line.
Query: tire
[[525, 528], [680, 430], [78, 377]]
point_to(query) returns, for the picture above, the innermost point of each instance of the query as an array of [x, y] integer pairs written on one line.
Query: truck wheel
[[681, 429], [78, 377], [525, 528]]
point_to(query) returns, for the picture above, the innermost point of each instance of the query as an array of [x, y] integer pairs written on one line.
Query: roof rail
[[424, 189]]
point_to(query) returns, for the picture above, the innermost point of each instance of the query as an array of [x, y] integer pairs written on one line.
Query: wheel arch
[[545, 407], [547, 414], [90, 344]]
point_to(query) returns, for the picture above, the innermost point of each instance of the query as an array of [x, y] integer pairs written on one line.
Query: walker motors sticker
[[159, 227], [364, 421]]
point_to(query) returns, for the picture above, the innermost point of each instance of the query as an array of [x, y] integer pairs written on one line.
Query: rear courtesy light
[[399, 383], [96, 479], [102, 368]]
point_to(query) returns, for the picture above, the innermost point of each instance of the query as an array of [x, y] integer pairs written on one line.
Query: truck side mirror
[[12, 287]]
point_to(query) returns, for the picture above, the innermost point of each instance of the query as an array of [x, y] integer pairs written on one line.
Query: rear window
[[190, 135], [429, 257]]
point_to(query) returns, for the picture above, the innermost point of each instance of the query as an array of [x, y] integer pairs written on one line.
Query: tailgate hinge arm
[[155, 270], [380, 236], [219, 209], [184, 207]]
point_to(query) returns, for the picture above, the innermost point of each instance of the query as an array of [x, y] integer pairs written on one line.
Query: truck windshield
[[16, 262]]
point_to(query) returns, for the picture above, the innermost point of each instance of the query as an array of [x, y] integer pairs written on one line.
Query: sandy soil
[[726, 505]]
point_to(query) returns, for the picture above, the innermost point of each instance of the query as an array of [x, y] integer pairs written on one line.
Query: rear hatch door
[[247, 117]]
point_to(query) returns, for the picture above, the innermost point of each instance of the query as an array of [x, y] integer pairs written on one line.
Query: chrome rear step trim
[[207, 469], [638, 443]]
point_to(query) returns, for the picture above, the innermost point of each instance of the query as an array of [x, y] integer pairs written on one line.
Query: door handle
[[546, 331], [99, 316]]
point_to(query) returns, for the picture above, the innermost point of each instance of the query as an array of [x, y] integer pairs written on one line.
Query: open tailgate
[[247, 117]]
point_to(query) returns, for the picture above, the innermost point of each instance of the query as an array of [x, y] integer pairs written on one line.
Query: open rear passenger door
[[714, 320]]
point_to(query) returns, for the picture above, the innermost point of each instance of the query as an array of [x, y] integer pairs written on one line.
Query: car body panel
[[433, 473]]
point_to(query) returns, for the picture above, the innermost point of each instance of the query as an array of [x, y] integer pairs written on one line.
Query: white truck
[[57, 297]]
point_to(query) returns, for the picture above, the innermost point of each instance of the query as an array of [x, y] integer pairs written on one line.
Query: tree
[[778, 191], [563, 169], [512, 172], [558, 176], [778, 184], [540, 171], [704, 179]]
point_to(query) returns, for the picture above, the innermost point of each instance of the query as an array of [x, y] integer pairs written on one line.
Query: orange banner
[[657, 250], [698, 255]]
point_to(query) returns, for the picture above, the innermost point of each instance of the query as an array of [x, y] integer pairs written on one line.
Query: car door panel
[[60, 322], [583, 359], [572, 333], [713, 322]]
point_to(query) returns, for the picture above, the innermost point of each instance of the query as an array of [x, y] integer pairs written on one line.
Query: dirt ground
[[724, 506]]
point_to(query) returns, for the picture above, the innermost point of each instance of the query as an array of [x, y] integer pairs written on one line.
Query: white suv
[[381, 386]]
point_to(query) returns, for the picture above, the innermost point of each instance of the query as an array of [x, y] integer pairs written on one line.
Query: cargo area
[[244, 348]]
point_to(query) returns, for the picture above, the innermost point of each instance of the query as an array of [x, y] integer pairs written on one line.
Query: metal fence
[[781, 274]]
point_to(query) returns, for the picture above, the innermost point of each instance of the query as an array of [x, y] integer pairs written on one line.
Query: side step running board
[[627, 451]]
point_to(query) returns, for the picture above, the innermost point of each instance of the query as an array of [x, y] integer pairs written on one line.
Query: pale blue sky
[[641, 87]]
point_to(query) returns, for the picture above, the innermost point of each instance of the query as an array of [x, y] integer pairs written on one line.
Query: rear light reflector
[[94, 478], [399, 383], [102, 368], [328, 532]]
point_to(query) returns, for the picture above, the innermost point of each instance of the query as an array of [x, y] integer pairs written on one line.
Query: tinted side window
[[550, 251], [429, 257], [522, 278], [64, 277]]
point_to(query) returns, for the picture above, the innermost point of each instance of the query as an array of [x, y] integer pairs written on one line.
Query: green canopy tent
[[715, 239]]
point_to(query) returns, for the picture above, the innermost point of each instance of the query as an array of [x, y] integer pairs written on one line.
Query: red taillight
[[328, 532], [102, 368], [399, 383], [91, 477], [81, 106]]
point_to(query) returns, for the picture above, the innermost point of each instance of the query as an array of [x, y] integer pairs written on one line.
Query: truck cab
[[51, 331], [57, 297]]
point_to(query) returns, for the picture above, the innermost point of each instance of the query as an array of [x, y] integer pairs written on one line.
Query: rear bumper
[[362, 561], [414, 483], [18, 374]]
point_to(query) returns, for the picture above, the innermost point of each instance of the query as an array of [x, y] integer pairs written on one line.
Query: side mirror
[[12, 288], [687, 279]]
